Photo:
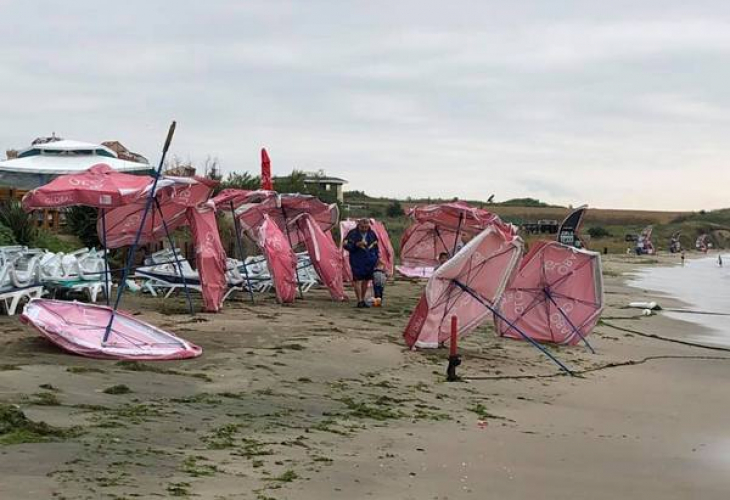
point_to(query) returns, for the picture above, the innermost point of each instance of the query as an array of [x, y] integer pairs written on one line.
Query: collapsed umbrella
[[556, 296]]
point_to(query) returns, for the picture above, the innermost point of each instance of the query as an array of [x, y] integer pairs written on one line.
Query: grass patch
[[222, 437], [193, 467], [84, 369], [286, 477], [253, 448], [181, 489], [379, 410], [203, 397], [8, 367], [481, 411], [117, 389], [16, 428], [45, 399], [137, 366]]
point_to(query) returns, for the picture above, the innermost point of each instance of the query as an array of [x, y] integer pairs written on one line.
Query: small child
[[443, 257], [379, 279]]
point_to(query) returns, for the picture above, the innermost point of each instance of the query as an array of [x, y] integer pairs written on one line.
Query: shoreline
[[305, 403]]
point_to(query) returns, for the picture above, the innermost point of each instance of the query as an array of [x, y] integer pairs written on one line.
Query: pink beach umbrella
[[100, 186], [556, 296]]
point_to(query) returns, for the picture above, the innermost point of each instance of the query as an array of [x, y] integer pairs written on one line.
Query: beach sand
[[321, 400]]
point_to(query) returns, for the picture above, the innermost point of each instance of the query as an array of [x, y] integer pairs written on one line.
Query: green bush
[[52, 243], [394, 209], [81, 222], [18, 221], [6, 236], [598, 232]]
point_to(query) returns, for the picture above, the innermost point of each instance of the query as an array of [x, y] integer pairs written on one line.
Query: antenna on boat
[[133, 249]]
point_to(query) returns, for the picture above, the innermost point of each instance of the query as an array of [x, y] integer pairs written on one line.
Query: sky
[[618, 104]]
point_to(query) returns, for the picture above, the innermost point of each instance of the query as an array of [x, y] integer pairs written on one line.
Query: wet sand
[[321, 400]]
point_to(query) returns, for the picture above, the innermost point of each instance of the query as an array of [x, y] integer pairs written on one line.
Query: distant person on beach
[[682, 257], [362, 244], [719, 260], [463, 240]]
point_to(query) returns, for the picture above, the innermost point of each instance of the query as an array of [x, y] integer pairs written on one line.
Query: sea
[[703, 285]]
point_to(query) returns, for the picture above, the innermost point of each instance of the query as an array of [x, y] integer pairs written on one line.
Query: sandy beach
[[321, 400]]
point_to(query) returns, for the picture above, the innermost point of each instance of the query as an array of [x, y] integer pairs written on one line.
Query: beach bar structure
[[46, 159]]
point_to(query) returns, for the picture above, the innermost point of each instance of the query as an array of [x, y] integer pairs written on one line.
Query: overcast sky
[[612, 103]]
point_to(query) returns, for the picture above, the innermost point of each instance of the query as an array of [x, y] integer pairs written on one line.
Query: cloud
[[611, 103]]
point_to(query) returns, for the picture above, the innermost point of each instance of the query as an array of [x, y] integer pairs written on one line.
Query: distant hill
[[616, 222]]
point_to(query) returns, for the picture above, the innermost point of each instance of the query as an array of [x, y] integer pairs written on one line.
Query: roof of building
[[39, 163]]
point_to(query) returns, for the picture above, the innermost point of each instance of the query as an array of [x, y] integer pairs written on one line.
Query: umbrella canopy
[[423, 242], [282, 209], [454, 216], [324, 254], [476, 276], [266, 182], [100, 186], [122, 223], [439, 228], [240, 198], [387, 254], [281, 260], [210, 258], [556, 296]]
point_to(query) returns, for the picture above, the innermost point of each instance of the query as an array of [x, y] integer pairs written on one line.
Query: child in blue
[[362, 244], [380, 278]]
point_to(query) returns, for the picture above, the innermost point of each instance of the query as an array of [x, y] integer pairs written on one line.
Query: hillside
[[617, 222]]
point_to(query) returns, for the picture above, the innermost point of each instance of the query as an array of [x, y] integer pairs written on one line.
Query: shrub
[[6, 236], [394, 209], [243, 180], [598, 232], [18, 221], [81, 222], [52, 243]]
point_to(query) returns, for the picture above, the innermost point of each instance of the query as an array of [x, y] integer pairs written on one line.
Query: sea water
[[703, 285]]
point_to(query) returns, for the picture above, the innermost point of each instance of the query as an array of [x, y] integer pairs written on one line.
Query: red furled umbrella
[[266, 182], [99, 187], [326, 258], [281, 260], [556, 296], [210, 258]]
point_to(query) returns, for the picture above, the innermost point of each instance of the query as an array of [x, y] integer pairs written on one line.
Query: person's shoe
[[377, 302], [361, 304]]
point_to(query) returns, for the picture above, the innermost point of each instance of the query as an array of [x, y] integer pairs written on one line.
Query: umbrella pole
[[133, 249], [565, 316], [288, 237], [178, 264], [239, 246], [438, 235], [518, 330], [107, 287], [458, 234]]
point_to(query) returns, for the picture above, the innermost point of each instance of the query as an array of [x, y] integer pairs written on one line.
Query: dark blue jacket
[[362, 260]]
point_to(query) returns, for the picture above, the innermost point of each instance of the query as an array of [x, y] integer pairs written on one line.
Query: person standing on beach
[[682, 257], [719, 259], [362, 244]]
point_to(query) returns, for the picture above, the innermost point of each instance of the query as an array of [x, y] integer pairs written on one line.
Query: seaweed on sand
[[16, 428]]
